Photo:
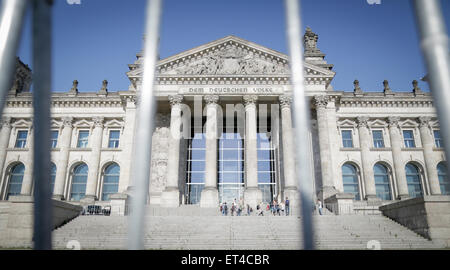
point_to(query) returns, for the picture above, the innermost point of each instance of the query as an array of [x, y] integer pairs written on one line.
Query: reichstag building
[[224, 131]]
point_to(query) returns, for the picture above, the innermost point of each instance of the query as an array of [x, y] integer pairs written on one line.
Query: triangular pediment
[[377, 123], [345, 123], [228, 56], [408, 123]]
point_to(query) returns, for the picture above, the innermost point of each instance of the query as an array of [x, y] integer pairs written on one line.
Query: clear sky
[[97, 39]]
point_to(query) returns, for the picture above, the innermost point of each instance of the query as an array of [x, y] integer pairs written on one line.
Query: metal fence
[[434, 43]]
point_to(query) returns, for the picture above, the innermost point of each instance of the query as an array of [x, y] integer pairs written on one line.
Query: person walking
[[225, 209], [319, 206], [286, 206], [248, 209]]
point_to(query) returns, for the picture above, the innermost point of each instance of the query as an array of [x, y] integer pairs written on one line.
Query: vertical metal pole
[[42, 30], [301, 123], [11, 21], [434, 42], [144, 129]]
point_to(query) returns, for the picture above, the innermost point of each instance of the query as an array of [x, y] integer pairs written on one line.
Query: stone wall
[[428, 216], [18, 232]]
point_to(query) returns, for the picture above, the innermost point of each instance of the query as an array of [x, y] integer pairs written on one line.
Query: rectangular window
[[83, 139], [437, 138], [114, 136], [54, 138], [21, 140], [408, 136], [378, 141], [347, 140]]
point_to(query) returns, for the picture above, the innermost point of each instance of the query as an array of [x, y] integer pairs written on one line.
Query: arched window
[[444, 182], [52, 176], [79, 180], [110, 181], [15, 180], [350, 180], [382, 184], [413, 179]]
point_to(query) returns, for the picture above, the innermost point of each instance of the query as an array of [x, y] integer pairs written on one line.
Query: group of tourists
[[274, 207], [235, 208]]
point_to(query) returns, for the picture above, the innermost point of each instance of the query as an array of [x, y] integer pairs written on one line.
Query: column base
[[170, 197], [252, 196], [327, 192], [58, 197], [403, 197], [209, 197], [88, 199]]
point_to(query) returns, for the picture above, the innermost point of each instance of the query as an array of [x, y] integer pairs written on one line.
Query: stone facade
[[230, 71]]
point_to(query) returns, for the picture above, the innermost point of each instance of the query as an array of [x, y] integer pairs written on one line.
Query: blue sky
[[99, 38]]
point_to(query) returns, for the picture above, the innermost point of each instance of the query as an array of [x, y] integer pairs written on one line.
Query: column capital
[[321, 101], [362, 121], [250, 100], [424, 121], [175, 99], [6, 122], [393, 121], [285, 101], [67, 121], [211, 99], [98, 121]]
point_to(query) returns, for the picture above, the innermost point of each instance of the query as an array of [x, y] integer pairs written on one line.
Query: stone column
[[252, 194], [93, 174], [27, 184], [430, 163], [210, 194], [328, 188], [399, 166], [290, 177], [171, 195], [5, 134], [367, 169], [61, 169]]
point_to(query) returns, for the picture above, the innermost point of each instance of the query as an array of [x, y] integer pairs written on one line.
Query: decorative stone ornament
[[357, 89], [387, 89], [175, 99], [362, 121], [6, 122], [424, 121], [393, 121], [250, 100], [310, 41], [98, 121], [321, 101], [67, 121], [285, 101], [416, 89], [211, 99], [104, 89], [74, 89]]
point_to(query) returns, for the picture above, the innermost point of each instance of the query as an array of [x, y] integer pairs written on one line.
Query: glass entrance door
[[231, 167]]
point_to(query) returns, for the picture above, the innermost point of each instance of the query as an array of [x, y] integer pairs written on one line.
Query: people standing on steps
[[319, 206], [286, 204], [225, 209]]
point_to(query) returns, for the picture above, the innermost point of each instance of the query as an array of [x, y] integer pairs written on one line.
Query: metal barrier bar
[[43, 208], [144, 128], [301, 123], [434, 42], [11, 22]]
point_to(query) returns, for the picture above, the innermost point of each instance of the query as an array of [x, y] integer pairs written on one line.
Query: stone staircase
[[239, 233]]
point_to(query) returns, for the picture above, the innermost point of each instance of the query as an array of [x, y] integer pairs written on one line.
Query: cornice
[[65, 100]]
